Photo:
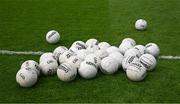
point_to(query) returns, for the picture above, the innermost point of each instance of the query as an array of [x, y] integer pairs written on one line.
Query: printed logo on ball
[[50, 61], [75, 60], [51, 34], [64, 68], [131, 59], [27, 64], [22, 76], [81, 45], [90, 63]]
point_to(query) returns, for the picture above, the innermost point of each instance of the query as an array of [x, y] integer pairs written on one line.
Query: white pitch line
[[20, 52], [170, 57], [40, 53]]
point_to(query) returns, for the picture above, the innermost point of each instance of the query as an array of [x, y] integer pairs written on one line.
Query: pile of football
[[86, 58]]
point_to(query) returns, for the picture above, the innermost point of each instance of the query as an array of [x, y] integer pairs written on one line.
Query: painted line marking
[[170, 57], [20, 52], [8, 52]]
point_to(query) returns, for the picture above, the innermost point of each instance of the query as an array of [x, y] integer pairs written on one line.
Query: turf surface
[[23, 24]]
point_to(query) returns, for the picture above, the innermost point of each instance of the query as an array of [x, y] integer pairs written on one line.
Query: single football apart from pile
[[86, 58]]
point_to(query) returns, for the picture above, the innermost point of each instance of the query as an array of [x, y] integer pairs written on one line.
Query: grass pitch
[[24, 23]]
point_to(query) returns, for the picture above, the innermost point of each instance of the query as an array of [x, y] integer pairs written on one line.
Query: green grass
[[24, 23]]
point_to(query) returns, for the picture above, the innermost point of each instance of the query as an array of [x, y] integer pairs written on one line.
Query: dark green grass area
[[24, 23], [27, 21], [162, 85]]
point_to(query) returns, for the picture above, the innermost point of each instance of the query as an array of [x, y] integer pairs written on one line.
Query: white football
[[91, 42], [101, 53], [31, 64], [87, 70], [93, 48], [112, 49], [141, 24], [26, 77], [65, 56], [79, 44], [45, 56], [82, 54], [49, 66], [132, 41], [52, 37], [74, 49], [118, 57], [74, 61], [153, 49], [141, 48], [93, 58], [133, 52], [104, 45], [149, 61], [59, 51], [128, 60], [109, 65], [136, 71], [66, 72], [123, 47]]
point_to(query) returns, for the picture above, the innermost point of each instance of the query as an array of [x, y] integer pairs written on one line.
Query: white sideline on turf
[[170, 57], [40, 53], [20, 52]]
